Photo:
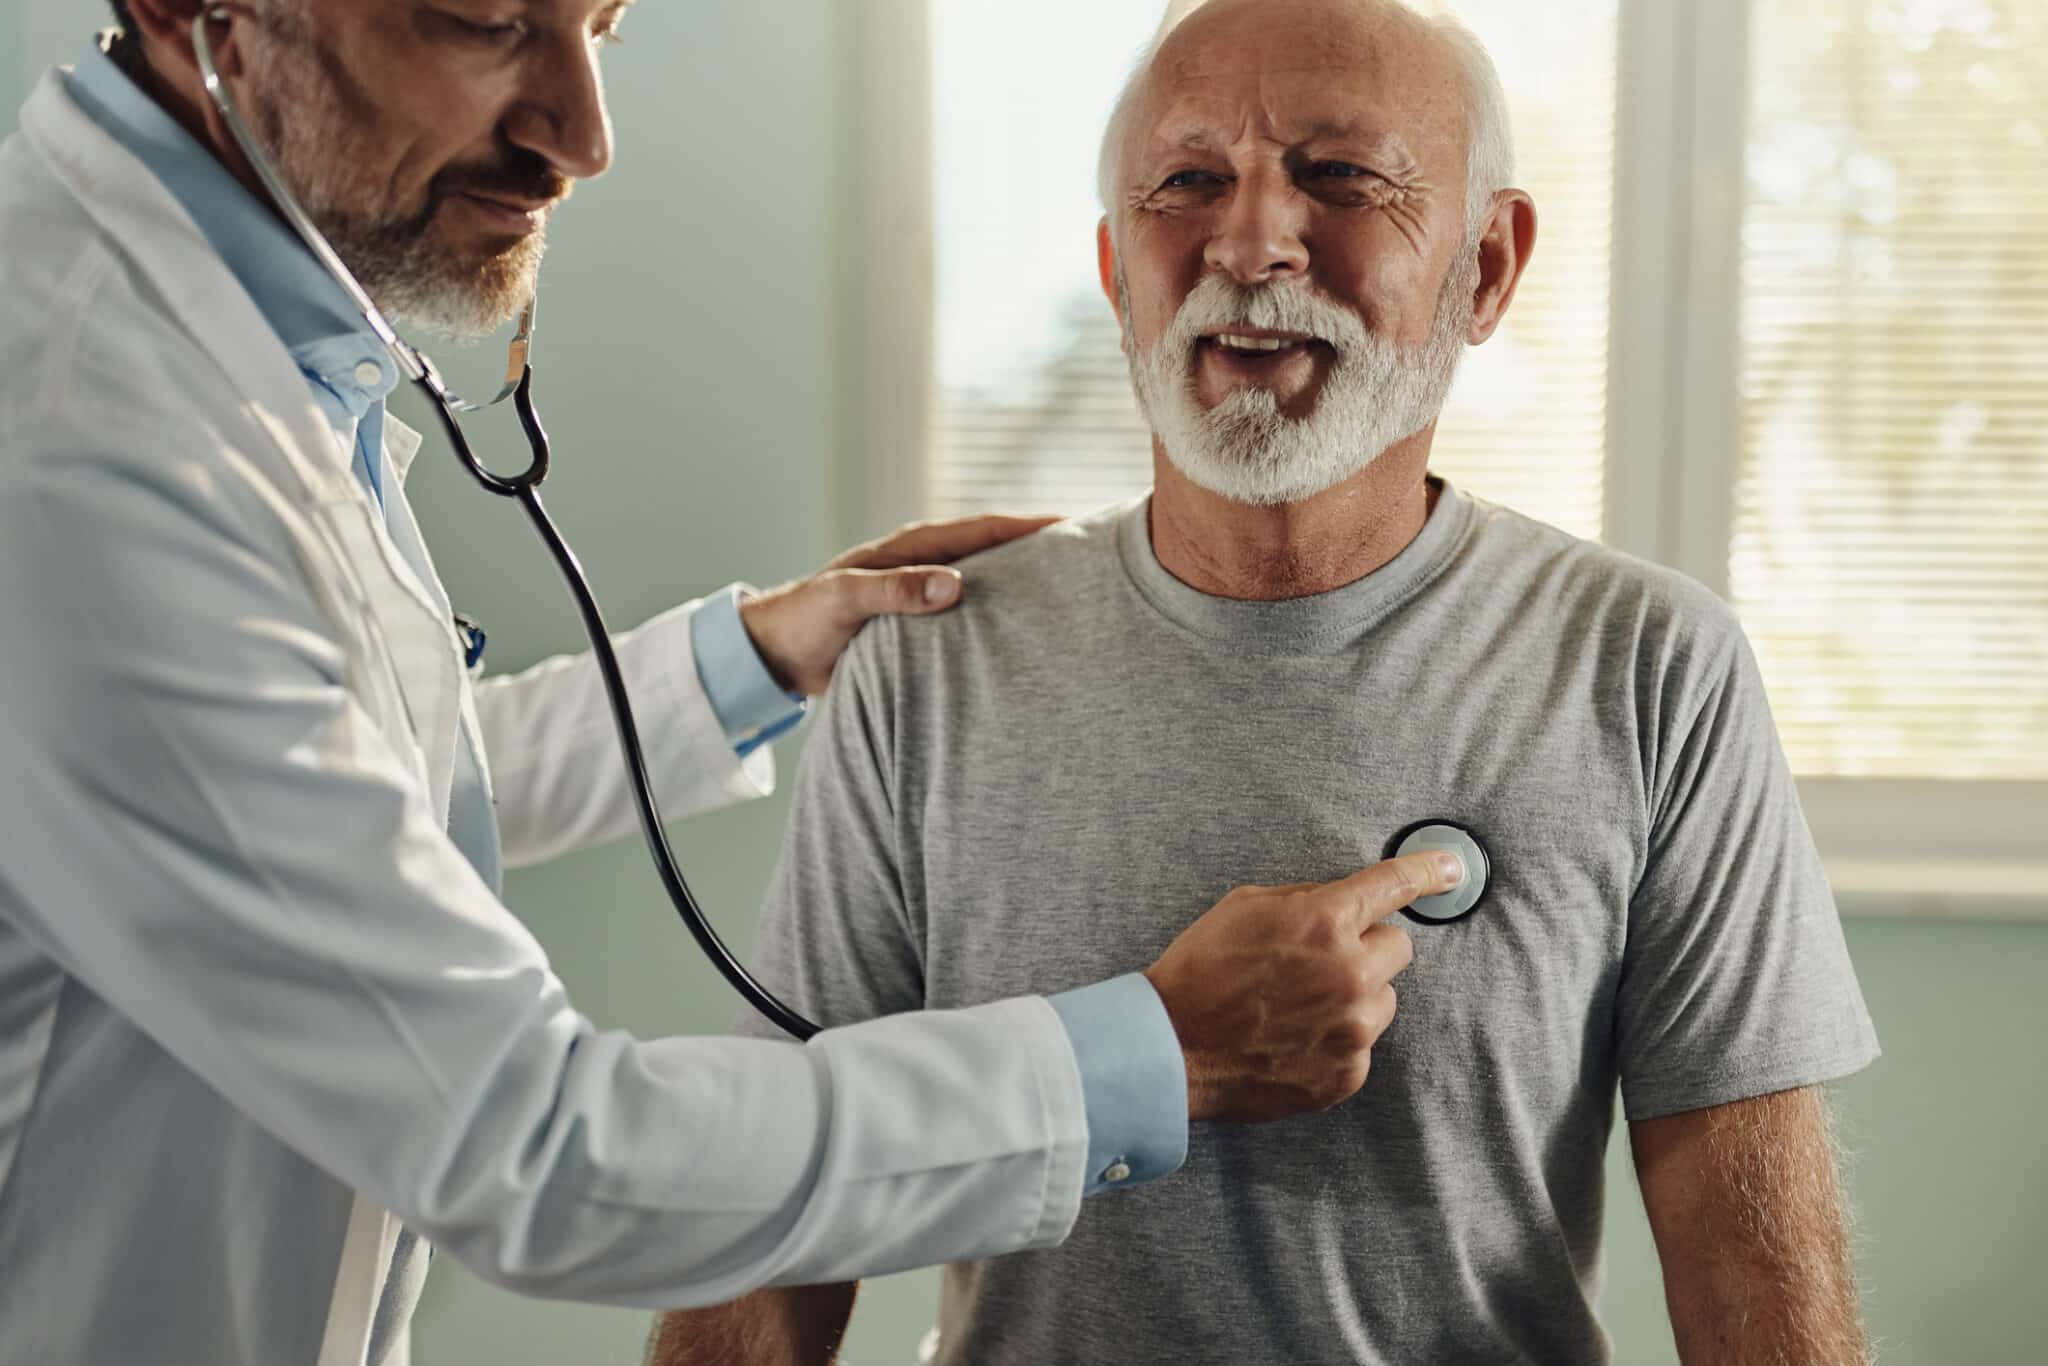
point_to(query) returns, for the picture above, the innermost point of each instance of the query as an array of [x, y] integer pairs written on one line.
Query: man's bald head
[[1389, 28]]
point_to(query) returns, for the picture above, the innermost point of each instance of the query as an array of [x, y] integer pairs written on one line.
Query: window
[[1890, 541], [1786, 329], [1031, 404]]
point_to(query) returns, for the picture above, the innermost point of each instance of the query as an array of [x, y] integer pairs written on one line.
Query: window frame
[[1891, 847]]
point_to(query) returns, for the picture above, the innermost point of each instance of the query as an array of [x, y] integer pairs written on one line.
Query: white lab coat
[[255, 1008]]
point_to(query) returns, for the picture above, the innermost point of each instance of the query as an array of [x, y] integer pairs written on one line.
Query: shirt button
[[1116, 1171], [369, 374]]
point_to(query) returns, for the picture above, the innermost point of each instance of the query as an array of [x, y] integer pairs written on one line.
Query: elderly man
[[265, 1025], [1299, 646]]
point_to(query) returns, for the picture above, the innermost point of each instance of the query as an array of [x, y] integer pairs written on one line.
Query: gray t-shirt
[[1042, 788]]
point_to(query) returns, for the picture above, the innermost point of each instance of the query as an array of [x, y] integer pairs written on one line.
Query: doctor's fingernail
[[940, 588], [1451, 867]]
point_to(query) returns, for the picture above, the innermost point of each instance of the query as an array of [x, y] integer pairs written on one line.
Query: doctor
[[266, 1029]]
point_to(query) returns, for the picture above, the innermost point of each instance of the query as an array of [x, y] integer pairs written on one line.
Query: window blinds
[[1889, 552], [1526, 422]]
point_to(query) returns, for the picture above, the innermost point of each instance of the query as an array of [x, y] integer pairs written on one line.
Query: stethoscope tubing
[[525, 490]]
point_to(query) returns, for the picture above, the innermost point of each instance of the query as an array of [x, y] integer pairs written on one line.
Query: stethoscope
[[1463, 899], [524, 488]]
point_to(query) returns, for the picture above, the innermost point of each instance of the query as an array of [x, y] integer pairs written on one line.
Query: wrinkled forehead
[[1292, 72]]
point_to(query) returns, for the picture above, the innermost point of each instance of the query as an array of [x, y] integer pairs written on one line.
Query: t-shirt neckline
[[1321, 620]]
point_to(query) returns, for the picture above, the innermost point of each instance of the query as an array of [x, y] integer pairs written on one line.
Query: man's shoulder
[[1049, 565], [1592, 591], [1013, 594]]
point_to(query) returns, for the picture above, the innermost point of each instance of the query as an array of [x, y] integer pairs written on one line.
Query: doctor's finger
[[1366, 898], [858, 594], [942, 542]]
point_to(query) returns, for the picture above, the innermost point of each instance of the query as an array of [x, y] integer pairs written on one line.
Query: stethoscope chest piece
[[1462, 899]]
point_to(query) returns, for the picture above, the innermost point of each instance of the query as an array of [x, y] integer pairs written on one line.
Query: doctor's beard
[[313, 121], [1244, 447]]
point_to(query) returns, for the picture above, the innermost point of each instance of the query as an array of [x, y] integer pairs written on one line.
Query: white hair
[[1489, 146]]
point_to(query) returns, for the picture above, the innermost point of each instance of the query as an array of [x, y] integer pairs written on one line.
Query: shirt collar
[[312, 314]]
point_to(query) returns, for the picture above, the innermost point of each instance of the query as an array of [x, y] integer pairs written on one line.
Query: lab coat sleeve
[[556, 771], [204, 827]]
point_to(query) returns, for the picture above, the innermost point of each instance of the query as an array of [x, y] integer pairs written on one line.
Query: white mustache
[[1219, 305]]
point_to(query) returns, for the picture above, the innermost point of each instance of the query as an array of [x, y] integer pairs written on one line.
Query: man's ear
[[1504, 247], [1105, 266]]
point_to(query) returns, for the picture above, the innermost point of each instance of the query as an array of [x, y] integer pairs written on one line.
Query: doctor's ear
[[164, 29]]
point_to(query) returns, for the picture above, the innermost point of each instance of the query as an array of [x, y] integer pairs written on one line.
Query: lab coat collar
[[302, 301], [312, 315], [203, 298], [401, 444], [164, 245]]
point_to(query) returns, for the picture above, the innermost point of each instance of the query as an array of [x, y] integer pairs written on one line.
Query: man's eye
[[1187, 180], [1341, 170]]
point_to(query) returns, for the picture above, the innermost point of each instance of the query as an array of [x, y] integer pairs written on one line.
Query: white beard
[[1245, 448]]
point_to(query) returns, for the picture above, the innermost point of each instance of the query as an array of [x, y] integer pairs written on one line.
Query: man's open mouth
[[1255, 345]]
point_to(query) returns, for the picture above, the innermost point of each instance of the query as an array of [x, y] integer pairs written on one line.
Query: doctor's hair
[[121, 43], [1489, 144]]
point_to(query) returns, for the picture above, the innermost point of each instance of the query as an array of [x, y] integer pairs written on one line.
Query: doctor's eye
[[479, 32], [1338, 170], [1188, 180]]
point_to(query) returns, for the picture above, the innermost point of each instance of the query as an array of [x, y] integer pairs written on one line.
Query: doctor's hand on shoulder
[[801, 628]]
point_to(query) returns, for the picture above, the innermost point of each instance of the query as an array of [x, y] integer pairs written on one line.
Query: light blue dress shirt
[[1124, 1045]]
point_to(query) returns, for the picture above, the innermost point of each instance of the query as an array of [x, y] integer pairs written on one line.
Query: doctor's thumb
[[924, 590], [865, 593]]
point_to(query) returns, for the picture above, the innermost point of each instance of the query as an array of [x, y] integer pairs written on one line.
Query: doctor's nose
[[561, 116]]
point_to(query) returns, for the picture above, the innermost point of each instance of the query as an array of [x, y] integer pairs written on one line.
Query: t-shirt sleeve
[[1736, 981], [836, 939]]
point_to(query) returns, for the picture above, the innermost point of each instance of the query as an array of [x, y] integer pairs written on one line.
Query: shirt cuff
[[749, 703], [1134, 1081]]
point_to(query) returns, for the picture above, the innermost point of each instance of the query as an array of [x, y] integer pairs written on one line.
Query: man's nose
[[561, 114], [1259, 238]]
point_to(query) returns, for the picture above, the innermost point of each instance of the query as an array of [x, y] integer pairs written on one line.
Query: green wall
[[688, 380]]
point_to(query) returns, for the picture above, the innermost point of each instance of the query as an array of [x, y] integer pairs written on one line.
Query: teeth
[[1237, 343]]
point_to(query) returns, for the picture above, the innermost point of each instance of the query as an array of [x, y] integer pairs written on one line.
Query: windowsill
[[1940, 889]]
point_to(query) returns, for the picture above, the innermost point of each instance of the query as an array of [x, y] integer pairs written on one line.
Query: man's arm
[[1753, 1232], [798, 1326]]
